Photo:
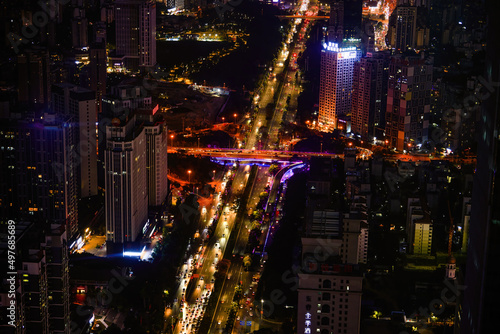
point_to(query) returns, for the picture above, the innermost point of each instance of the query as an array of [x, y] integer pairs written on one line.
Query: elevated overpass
[[232, 154]]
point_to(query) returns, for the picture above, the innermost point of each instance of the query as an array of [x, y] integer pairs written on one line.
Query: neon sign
[[335, 47], [307, 329]]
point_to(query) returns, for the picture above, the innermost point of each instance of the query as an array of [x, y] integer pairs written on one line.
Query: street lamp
[[223, 118], [261, 311], [189, 175], [172, 140], [235, 115]]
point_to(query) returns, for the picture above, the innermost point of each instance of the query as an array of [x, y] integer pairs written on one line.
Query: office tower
[[126, 199], [369, 96], [480, 307], [46, 170], [353, 19], [156, 163], [336, 22], [408, 102], [345, 20], [335, 92], [156, 153], [98, 65], [33, 69], [147, 40], [80, 103], [406, 28], [79, 29], [136, 32]]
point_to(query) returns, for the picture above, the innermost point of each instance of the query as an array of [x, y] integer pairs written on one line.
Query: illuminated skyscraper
[[369, 97], [126, 201], [406, 27], [408, 102], [81, 103], [335, 92], [136, 32], [98, 72], [48, 188]]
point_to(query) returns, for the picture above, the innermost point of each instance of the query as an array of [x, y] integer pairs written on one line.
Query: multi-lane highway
[[196, 276], [236, 273]]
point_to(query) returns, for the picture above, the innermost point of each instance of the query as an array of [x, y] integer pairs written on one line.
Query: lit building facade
[[126, 200], [329, 299], [156, 163], [408, 102], [369, 97], [406, 28], [136, 32], [81, 103], [336, 78]]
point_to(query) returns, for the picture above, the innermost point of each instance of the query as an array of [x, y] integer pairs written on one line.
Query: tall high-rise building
[[369, 96], [45, 171], [57, 257], [136, 32], [335, 92], [33, 69], [156, 163], [126, 200], [408, 102], [422, 241], [406, 28], [98, 74], [147, 37], [81, 103], [156, 153], [329, 292], [353, 19], [79, 29], [345, 20], [480, 307], [336, 22], [42, 293], [329, 299]]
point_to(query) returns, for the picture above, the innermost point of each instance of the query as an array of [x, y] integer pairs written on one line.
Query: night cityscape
[[250, 166]]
